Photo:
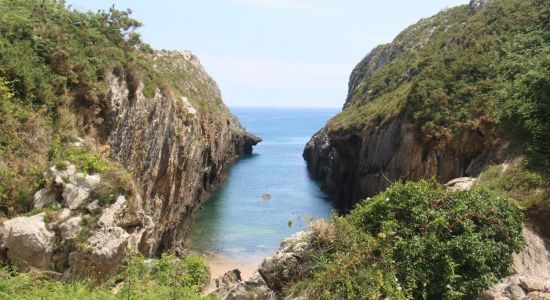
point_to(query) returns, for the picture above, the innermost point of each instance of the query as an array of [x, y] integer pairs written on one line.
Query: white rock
[[43, 197], [69, 229], [59, 176], [461, 184], [74, 195], [107, 250], [28, 243], [64, 214], [94, 207], [112, 213]]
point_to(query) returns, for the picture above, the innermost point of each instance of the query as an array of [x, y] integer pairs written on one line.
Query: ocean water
[[237, 222]]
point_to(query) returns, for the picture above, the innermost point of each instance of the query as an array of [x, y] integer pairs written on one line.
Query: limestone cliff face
[[359, 160], [176, 145]]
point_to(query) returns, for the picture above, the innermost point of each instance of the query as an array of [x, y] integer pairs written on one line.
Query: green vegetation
[[530, 190], [415, 240], [462, 69], [164, 278]]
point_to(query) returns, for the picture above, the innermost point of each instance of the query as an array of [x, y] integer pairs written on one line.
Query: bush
[[417, 240], [159, 279]]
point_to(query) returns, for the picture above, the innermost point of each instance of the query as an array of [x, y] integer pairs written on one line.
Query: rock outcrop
[[368, 146], [178, 144], [28, 243], [356, 163], [277, 272], [531, 267]]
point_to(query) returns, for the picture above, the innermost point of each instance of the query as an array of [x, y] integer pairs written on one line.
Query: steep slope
[[102, 135], [177, 152], [448, 96]]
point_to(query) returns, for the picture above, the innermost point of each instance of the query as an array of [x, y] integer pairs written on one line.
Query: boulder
[[28, 243], [60, 176], [531, 266], [78, 189], [286, 266], [64, 214], [461, 184], [94, 207], [112, 214], [70, 228], [43, 197], [230, 287], [104, 255]]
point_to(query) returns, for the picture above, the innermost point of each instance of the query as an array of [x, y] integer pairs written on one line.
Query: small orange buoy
[[267, 196]]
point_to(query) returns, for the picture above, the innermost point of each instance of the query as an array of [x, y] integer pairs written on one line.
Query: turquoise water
[[237, 221]]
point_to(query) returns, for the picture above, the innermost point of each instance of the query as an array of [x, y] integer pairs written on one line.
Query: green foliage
[[461, 68], [115, 181], [159, 279], [530, 190], [416, 240]]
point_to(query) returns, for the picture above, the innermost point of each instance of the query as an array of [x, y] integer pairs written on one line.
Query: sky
[[275, 53]]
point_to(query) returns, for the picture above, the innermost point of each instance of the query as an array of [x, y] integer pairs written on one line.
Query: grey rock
[[94, 207], [515, 292], [478, 4], [70, 228], [531, 269], [461, 184], [43, 197], [112, 214], [104, 256], [78, 189], [28, 242], [231, 288], [60, 176]]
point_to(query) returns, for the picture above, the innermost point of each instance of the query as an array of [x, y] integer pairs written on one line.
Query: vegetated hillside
[[450, 95], [143, 132]]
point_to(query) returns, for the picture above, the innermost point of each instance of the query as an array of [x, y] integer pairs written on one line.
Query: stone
[[461, 184], [515, 292], [70, 228], [74, 195], [538, 296], [94, 207], [60, 176], [254, 288], [112, 214], [78, 189], [533, 284], [478, 4], [43, 197], [28, 243], [64, 214], [104, 256], [531, 268]]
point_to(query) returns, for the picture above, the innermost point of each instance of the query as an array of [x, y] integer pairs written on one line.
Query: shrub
[[140, 279], [417, 240]]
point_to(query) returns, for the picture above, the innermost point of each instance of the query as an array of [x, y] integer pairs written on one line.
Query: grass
[[157, 279], [530, 190]]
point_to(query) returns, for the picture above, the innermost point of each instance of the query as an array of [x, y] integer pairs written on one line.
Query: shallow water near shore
[[266, 196]]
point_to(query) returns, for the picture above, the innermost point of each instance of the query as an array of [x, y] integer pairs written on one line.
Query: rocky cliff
[[416, 108], [177, 149], [173, 153]]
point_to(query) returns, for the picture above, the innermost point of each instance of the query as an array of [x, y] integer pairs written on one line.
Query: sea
[[266, 196]]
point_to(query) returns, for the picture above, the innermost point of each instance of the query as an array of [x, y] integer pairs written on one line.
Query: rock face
[[28, 243], [177, 150], [357, 163], [531, 278], [359, 159]]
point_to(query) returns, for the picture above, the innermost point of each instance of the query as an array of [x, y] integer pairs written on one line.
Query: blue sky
[[275, 52]]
